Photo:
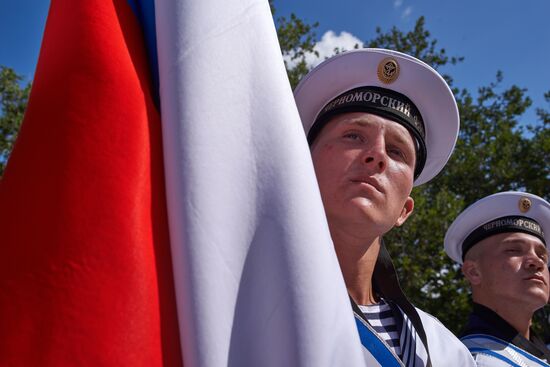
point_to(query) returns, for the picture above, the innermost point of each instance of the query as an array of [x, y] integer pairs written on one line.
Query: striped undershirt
[[381, 319]]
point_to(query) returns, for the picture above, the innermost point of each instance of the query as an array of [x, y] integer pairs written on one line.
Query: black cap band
[[503, 225], [378, 101]]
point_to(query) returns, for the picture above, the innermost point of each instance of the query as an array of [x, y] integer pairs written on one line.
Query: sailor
[[378, 123], [502, 243]]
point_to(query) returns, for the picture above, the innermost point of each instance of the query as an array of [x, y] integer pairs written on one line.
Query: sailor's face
[[365, 167], [514, 268]]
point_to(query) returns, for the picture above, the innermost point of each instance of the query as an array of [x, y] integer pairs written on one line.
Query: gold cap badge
[[388, 70], [524, 204]]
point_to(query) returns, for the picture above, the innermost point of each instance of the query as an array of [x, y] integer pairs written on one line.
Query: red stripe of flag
[[85, 270]]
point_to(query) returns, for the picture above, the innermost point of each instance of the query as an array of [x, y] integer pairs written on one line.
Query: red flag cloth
[[85, 269]]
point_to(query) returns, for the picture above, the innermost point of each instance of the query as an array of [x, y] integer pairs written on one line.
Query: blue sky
[[510, 36]]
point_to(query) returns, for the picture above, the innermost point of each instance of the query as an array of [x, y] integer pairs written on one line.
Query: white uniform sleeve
[[446, 350]]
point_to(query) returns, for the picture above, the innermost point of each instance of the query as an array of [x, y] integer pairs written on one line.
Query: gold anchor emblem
[[524, 204], [388, 70]]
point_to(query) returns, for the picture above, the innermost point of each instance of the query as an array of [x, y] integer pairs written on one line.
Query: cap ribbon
[[503, 225]]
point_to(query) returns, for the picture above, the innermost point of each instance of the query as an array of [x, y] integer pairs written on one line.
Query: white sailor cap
[[390, 84], [509, 211]]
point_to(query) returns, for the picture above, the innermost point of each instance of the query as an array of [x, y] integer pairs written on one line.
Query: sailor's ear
[[407, 210], [471, 271]]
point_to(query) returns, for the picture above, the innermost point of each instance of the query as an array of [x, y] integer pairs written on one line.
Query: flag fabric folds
[[85, 269], [89, 274], [257, 280]]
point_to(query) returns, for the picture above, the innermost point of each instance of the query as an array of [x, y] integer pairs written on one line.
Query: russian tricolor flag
[[90, 274]]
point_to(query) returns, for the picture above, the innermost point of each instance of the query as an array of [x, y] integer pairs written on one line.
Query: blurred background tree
[[13, 101]]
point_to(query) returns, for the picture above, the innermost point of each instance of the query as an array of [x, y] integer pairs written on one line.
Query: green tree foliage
[[13, 101], [417, 43], [493, 153], [296, 39]]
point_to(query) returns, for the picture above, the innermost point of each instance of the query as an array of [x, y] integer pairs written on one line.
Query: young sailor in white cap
[[379, 122], [502, 243]]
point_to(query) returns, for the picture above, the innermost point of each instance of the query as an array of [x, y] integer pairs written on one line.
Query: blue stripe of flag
[[145, 12]]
